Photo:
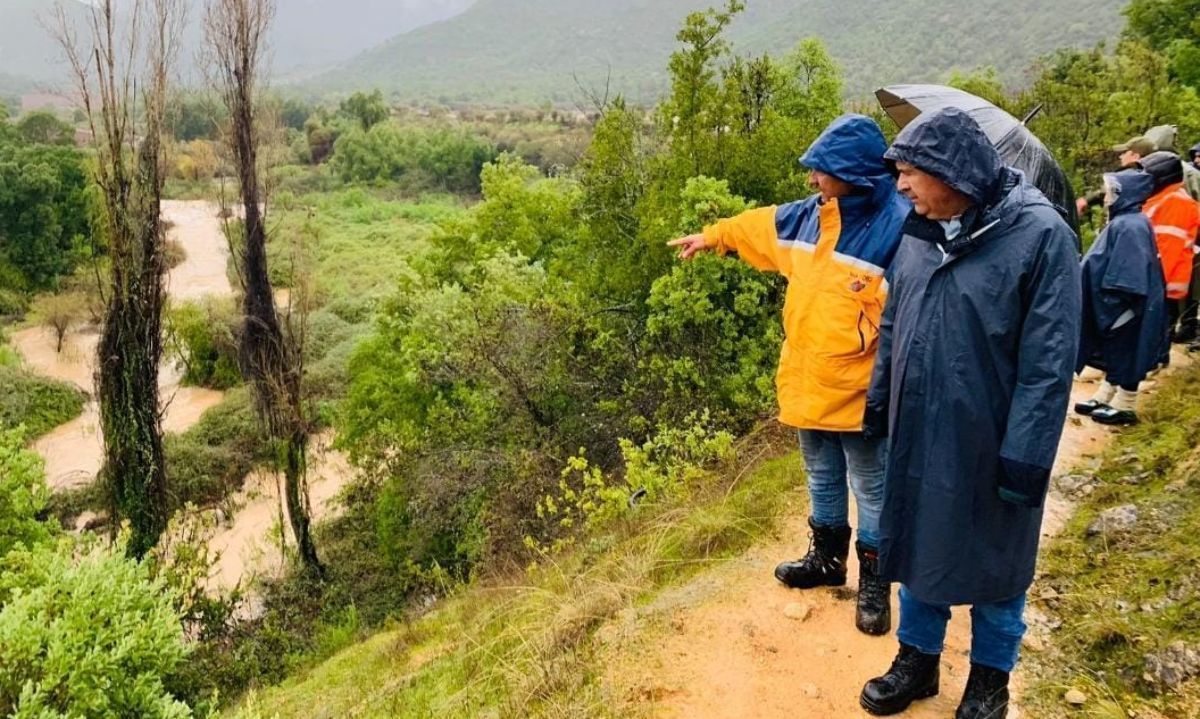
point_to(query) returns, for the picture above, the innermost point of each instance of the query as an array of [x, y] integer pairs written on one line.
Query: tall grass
[[522, 646], [1121, 597]]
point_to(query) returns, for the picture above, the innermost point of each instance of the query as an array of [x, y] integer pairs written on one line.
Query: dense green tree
[[195, 116], [1171, 27], [43, 211], [44, 128], [1092, 99], [367, 109], [294, 113], [440, 158], [694, 114]]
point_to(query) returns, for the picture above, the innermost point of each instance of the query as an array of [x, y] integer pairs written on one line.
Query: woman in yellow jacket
[[834, 248]]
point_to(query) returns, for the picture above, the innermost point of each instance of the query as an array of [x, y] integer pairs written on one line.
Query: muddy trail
[[733, 642], [74, 452]]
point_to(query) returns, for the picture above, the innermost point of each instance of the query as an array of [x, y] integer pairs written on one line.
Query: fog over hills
[[309, 35], [531, 50]]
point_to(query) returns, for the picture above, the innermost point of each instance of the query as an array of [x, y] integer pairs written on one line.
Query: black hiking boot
[[874, 614], [1087, 408], [825, 563], [1110, 416], [913, 676], [986, 696]]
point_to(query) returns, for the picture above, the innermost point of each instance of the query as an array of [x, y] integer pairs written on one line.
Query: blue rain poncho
[[977, 351]]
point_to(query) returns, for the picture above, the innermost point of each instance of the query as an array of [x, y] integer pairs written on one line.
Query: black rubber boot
[[825, 563], [874, 615], [913, 676], [986, 696]]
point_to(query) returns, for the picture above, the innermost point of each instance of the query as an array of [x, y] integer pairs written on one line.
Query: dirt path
[[725, 645]]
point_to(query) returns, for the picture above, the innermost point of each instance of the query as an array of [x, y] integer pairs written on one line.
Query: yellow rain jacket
[[834, 256]]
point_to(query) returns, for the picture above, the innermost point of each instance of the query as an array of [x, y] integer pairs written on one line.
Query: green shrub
[[23, 495], [9, 357], [422, 158], [12, 303], [37, 403], [86, 634], [205, 342], [214, 456]]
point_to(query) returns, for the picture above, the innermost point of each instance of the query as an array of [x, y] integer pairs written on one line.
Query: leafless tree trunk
[[121, 67], [270, 359]]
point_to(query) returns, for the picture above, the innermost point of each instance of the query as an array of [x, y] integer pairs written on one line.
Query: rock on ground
[[1173, 666], [1115, 520]]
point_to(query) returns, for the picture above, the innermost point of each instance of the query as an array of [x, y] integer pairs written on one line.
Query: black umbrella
[[1017, 145]]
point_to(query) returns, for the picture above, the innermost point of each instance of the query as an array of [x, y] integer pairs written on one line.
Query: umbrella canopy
[[1017, 145]]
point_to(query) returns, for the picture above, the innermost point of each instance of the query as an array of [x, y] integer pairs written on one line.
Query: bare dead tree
[[271, 361], [121, 64]]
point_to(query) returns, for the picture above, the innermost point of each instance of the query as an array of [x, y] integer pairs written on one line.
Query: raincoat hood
[[1194, 151], [1130, 189], [851, 149], [1165, 168], [950, 145]]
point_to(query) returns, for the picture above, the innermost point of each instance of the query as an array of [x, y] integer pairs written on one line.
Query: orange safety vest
[[831, 314], [1175, 217]]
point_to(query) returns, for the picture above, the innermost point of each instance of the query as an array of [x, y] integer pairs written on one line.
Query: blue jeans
[[833, 459], [996, 629]]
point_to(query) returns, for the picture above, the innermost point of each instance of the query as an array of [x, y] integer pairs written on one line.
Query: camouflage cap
[[1141, 144]]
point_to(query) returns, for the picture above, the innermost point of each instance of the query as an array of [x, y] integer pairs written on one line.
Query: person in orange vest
[[1175, 217], [834, 248]]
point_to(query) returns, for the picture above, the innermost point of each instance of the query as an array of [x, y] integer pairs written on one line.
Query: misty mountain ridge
[[308, 35], [538, 50]]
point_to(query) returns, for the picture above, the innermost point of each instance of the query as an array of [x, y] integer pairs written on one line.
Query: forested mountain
[[308, 35], [533, 50]]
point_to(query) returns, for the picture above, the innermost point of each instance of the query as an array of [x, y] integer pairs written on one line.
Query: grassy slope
[[530, 50], [523, 648], [1122, 597], [526, 649]]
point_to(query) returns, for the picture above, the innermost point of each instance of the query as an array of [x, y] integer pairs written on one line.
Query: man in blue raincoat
[[976, 357], [1124, 310]]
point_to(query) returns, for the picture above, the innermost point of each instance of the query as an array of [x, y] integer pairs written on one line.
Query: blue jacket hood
[[851, 149], [1130, 188], [951, 146]]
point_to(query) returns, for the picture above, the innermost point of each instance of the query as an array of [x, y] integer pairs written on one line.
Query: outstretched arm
[[753, 235]]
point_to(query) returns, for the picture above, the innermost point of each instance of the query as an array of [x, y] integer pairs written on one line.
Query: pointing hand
[[689, 246]]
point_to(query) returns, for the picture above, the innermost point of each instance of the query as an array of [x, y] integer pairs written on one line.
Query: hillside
[[308, 36], [678, 615], [528, 50]]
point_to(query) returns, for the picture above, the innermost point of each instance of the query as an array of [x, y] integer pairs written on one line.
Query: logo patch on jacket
[[858, 284]]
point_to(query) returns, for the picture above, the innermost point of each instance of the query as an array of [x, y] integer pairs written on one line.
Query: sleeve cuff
[[1023, 484], [712, 240]]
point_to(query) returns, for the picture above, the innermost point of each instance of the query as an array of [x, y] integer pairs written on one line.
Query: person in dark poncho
[[976, 354], [1124, 301]]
